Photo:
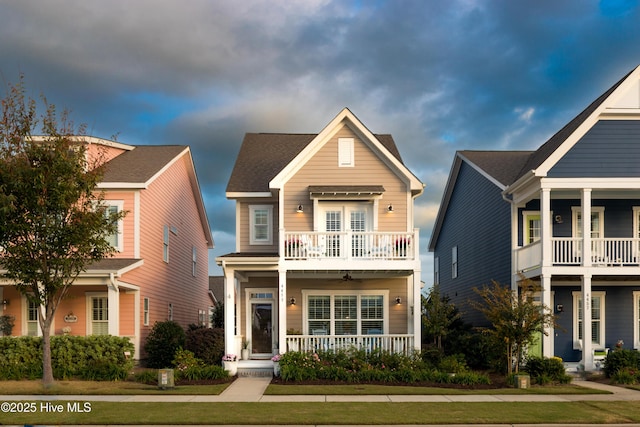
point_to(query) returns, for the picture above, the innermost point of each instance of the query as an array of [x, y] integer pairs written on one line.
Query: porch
[[568, 251], [396, 343]]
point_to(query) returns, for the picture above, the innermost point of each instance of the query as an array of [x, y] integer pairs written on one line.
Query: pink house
[[160, 269]]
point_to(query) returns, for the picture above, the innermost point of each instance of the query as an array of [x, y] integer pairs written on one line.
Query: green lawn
[[102, 388], [338, 413]]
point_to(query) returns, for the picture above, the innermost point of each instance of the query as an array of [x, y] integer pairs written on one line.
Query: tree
[[217, 317], [53, 223], [516, 317], [438, 315]]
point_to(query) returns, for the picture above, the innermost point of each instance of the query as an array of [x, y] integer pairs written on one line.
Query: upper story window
[[261, 224], [345, 152], [531, 227], [597, 221], [165, 244], [115, 239], [194, 261], [436, 270], [454, 262]]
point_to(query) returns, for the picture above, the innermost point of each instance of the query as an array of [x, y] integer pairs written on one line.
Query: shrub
[[620, 359], [626, 376], [545, 370], [147, 376], [206, 344], [454, 363], [162, 343]]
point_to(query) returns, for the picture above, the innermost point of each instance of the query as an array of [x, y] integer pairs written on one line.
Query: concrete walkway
[[251, 389]]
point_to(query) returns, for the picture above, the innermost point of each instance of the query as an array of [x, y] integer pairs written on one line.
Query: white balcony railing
[[349, 245], [568, 251], [402, 343]]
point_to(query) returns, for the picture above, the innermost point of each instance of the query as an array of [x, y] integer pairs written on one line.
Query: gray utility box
[[522, 381], [165, 378]]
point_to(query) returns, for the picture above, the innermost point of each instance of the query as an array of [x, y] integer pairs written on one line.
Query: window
[[194, 260], [346, 312], [33, 327], [345, 152], [436, 270], [165, 244], [202, 317], [170, 312], [261, 224], [597, 318], [597, 221], [531, 227], [145, 311], [454, 262], [115, 239], [98, 315]]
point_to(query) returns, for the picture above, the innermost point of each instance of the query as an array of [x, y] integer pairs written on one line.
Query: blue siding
[[618, 317], [478, 223], [611, 148]]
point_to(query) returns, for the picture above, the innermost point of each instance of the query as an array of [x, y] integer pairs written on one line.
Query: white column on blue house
[[587, 346], [229, 311], [282, 310], [547, 338], [514, 246], [545, 227]]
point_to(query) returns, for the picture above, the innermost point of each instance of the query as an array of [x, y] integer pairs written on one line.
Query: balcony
[[397, 343], [349, 246], [567, 251]]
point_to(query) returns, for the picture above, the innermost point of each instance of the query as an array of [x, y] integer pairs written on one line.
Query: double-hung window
[[98, 306], [261, 224], [165, 244], [346, 312], [33, 327], [454, 262], [597, 318], [115, 239]]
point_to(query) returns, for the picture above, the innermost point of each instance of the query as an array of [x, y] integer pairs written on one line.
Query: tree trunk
[[47, 369]]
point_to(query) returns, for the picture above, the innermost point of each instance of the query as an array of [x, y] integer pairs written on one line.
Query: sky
[[439, 75]]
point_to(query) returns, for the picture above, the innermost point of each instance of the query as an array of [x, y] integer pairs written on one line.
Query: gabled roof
[[499, 167], [140, 165], [264, 157]]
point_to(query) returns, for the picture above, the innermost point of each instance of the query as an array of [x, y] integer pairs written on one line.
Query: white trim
[[274, 314], [577, 296], [252, 233], [119, 204], [331, 293], [636, 319], [25, 318], [248, 194], [136, 224]]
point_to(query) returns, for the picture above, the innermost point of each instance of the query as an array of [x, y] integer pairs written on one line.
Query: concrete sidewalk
[[251, 389]]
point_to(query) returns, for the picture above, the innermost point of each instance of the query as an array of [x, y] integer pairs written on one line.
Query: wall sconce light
[[390, 208], [5, 303], [398, 300], [300, 208], [559, 308], [558, 219], [292, 301]]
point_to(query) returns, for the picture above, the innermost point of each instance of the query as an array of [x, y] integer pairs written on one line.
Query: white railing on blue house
[[396, 343], [299, 245]]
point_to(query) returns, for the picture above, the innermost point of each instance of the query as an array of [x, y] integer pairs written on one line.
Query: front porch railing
[[568, 251], [402, 344], [349, 245]]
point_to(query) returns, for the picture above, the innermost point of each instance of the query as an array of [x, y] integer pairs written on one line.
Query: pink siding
[[102, 153], [128, 222], [169, 200]]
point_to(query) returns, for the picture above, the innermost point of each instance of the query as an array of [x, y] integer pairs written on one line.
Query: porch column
[[586, 227], [229, 311], [514, 245], [587, 346], [547, 338], [282, 310], [545, 227], [113, 309], [416, 310]]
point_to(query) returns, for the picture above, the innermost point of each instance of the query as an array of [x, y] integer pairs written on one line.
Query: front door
[[261, 323]]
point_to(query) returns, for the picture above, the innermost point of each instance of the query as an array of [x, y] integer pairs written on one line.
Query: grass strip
[[103, 388], [337, 413], [370, 389]]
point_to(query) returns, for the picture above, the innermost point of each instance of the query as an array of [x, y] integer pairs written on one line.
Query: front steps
[[255, 368]]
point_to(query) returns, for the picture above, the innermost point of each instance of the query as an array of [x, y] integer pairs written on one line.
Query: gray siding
[[477, 222], [611, 148]]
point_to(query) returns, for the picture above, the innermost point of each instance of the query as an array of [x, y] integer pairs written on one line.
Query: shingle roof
[[503, 166], [140, 164], [263, 155]]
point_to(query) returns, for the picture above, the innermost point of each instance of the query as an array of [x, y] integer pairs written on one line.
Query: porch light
[[559, 308], [398, 300], [292, 301], [300, 208], [5, 303], [558, 219], [390, 208]]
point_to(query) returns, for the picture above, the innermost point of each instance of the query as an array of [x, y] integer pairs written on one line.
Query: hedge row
[[88, 358]]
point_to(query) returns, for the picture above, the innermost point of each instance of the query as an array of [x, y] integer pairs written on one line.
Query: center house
[[326, 253]]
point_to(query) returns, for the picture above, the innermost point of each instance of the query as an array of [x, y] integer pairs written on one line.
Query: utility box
[[522, 381], [165, 378]]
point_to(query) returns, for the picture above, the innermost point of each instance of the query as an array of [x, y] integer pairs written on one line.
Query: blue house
[[511, 214]]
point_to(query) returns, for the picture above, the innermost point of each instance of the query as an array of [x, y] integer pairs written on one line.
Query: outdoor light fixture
[[390, 208], [300, 208], [5, 303], [559, 308], [292, 301], [398, 300]]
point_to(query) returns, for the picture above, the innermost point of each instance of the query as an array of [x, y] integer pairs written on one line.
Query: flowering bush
[[276, 358], [229, 358]]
